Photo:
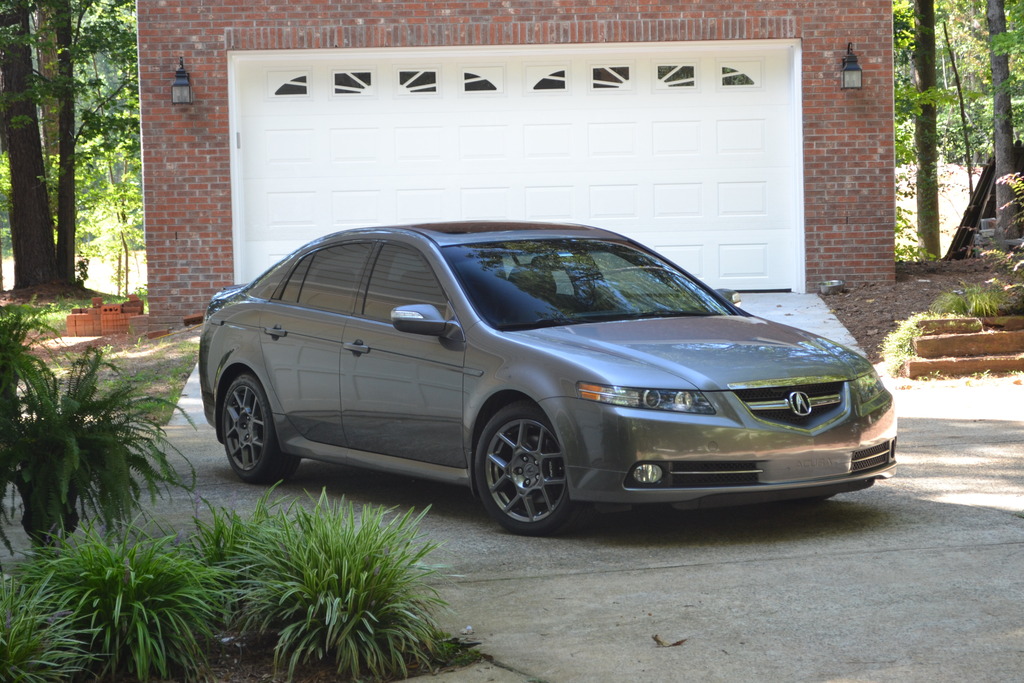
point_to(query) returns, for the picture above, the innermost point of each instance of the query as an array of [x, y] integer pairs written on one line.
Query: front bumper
[[728, 458]]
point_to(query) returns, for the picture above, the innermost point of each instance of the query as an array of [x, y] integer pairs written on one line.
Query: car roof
[[467, 232]]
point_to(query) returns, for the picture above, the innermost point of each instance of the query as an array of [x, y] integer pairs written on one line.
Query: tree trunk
[[964, 122], [66, 205], [925, 129], [31, 222], [1002, 122]]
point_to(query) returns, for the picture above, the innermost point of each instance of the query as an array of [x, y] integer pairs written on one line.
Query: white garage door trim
[[702, 162]]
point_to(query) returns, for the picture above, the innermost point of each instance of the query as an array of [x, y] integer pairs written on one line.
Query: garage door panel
[[549, 203], [677, 200], [748, 198], [355, 208], [355, 145], [690, 151], [681, 138]]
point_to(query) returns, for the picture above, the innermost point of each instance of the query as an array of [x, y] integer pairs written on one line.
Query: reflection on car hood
[[713, 353]]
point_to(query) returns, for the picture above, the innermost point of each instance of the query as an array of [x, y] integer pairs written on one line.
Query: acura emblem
[[799, 403]]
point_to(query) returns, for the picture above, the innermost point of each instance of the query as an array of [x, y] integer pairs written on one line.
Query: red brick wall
[[847, 143]]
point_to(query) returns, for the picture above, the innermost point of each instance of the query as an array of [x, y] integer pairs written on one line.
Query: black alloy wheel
[[250, 440], [520, 472]]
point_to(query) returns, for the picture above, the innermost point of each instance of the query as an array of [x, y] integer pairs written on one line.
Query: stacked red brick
[[104, 318]]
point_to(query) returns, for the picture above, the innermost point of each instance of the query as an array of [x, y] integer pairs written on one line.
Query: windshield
[[534, 283]]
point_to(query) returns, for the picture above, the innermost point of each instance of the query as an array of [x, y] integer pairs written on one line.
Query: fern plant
[[18, 324], [74, 451]]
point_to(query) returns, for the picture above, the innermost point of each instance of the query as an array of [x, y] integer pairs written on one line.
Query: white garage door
[[689, 148]]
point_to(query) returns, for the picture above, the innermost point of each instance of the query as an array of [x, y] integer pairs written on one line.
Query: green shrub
[[336, 586], [73, 450], [145, 605], [37, 640], [18, 325], [898, 346], [974, 300]]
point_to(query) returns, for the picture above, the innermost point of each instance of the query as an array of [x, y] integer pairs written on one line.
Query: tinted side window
[[291, 290], [333, 278], [401, 276]]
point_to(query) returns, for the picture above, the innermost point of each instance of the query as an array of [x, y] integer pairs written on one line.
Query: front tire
[[520, 472], [250, 439]]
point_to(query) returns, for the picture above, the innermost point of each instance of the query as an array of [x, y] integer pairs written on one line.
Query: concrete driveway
[[920, 578]]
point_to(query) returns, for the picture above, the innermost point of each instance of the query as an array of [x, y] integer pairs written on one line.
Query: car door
[[402, 393], [302, 337]]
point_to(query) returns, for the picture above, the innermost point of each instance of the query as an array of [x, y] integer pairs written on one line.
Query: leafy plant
[[144, 606], [38, 642], [973, 300], [18, 325], [898, 345], [73, 451], [332, 585]]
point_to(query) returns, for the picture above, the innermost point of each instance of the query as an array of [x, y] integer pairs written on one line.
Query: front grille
[[710, 473], [876, 456], [772, 403]]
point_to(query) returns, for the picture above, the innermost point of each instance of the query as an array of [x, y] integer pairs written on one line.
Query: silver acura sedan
[[549, 367]]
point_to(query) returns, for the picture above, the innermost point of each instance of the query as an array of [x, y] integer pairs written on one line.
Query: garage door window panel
[[294, 86], [611, 78], [418, 81], [677, 76], [483, 80], [547, 79], [741, 74], [353, 83]]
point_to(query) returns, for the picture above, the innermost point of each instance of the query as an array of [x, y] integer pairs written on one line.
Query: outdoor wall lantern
[[181, 87], [852, 76]]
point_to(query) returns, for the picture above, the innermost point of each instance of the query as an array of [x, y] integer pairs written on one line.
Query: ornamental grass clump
[[144, 605], [38, 642], [975, 300], [339, 587]]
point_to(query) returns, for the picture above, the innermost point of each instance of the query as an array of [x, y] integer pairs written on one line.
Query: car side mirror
[[425, 319], [731, 295]]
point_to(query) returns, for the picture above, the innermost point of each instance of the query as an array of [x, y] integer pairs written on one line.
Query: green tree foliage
[[86, 88], [962, 94]]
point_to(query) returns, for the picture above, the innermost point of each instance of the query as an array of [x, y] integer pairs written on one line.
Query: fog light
[[648, 474]]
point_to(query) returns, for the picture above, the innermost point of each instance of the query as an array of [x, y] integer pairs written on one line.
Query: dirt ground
[[871, 312]]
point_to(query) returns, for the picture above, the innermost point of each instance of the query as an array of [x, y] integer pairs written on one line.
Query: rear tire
[[250, 439], [520, 472]]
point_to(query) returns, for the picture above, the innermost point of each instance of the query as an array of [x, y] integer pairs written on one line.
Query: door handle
[[357, 347], [275, 332]]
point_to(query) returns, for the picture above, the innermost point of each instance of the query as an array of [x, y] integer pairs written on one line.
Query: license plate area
[[806, 468]]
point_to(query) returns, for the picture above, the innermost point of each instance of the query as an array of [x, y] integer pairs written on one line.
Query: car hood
[[713, 353]]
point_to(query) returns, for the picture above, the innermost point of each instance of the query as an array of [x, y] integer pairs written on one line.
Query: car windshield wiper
[[541, 322], [640, 315]]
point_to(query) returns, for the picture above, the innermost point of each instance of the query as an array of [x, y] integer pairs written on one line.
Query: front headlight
[[868, 387], [674, 400]]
